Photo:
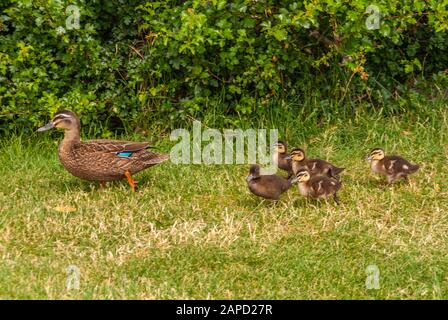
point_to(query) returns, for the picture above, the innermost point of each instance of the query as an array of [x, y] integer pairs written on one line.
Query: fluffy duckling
[[393, 167], [314, 166], [318, 186], [282, 158], [266, 186]]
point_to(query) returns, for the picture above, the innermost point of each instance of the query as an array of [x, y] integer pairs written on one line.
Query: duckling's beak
[[249, 178], [368, 158], [288, 158], [294, 180], [46, 127]]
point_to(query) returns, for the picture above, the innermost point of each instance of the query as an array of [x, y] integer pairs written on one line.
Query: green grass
[[195, 231]]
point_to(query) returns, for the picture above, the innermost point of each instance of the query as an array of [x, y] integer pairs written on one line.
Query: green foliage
[[135, 62]]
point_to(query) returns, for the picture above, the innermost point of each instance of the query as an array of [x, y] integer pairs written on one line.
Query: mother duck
[[100, 160]]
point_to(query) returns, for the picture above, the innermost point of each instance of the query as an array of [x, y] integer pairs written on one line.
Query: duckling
[[317, 186], [314, 166], [100, 160], [282, 158], [266, 186], [393, 167]]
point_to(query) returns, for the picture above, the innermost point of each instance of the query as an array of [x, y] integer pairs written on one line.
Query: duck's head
[[254, 172], [303, 176], [280, 147], [63, 119], [376, 154], [297, 154]]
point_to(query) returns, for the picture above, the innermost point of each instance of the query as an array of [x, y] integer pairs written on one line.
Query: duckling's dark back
[[397, 163], [323, 185], [269, 186]]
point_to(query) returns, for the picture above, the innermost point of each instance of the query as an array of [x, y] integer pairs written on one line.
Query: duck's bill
[[368, 158], [288, 158], [294, 180], [249, 178], [46, 127]]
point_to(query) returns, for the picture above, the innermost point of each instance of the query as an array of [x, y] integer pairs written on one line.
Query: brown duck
[[393, 167], [314, 166], [318, 186], [100, 160], [266, 186]]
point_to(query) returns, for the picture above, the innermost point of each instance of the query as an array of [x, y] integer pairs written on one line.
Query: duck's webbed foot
[[131, 181]]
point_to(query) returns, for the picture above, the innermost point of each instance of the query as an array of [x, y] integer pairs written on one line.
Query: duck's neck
[[71, 136], [303, 188]]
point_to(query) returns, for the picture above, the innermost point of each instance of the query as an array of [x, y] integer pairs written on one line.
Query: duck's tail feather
[[152, 158], [336, 171]]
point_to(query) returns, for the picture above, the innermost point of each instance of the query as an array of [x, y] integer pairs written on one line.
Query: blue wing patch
[[125, 154]]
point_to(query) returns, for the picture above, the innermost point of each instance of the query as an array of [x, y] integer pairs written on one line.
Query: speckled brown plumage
[[314, 166], [318, 186], [97, 160]]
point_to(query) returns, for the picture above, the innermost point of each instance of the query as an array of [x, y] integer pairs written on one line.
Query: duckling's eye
[[301, 175]]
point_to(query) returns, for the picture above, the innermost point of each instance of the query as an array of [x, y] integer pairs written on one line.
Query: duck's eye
[[59, 122]]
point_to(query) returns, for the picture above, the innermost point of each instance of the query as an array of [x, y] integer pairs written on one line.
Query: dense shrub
[[135, 60]]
